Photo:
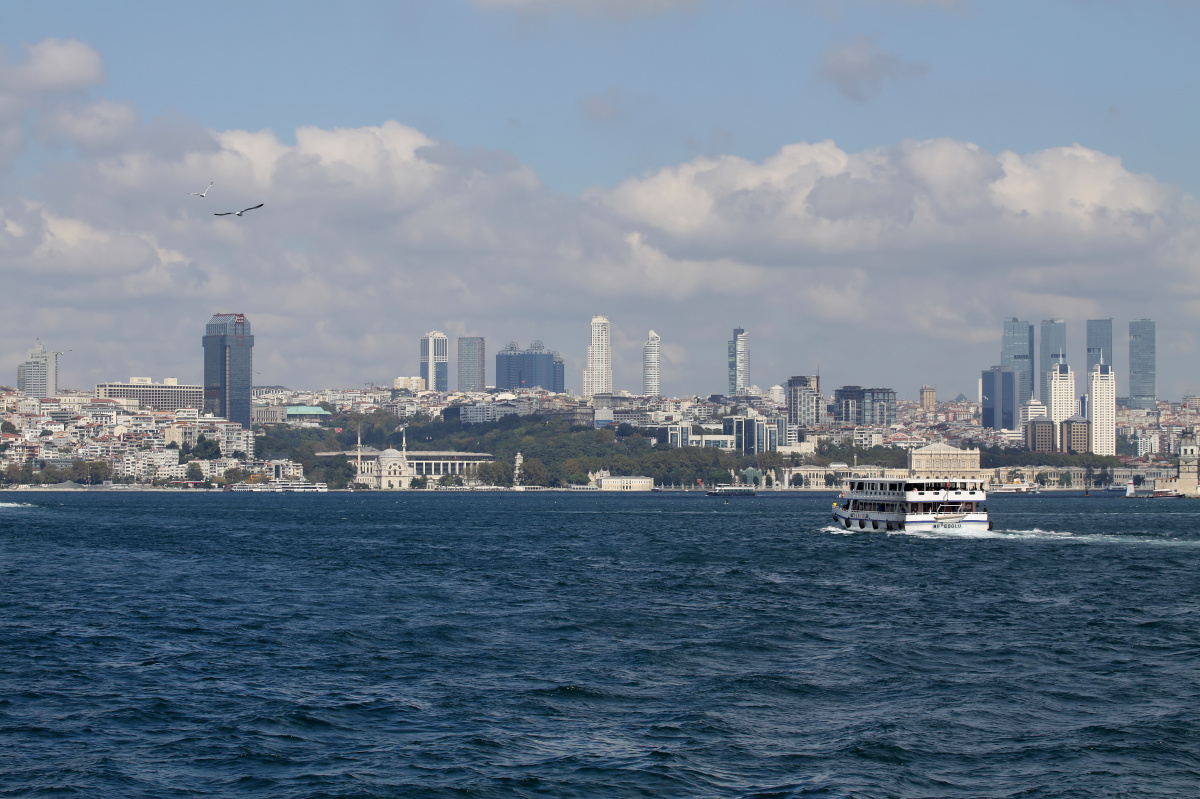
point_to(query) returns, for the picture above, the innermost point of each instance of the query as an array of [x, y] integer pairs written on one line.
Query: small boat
[[913, 505], [1015, 487], [282, 487], [731, 490]]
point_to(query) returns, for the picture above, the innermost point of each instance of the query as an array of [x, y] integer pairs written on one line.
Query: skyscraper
[[1143, 364], [1016, 352], [228, 367], [435, 350], [1102, 410], [38, 376], [1054, 352], [597, 374], [472, 372], [739, 363], [1060, 393], [1099, 343], [1000, 407], [805, 405], [650, 354]]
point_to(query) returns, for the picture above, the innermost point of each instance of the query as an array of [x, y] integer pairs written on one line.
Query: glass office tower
[[228, 367], [471, 368], [1099, 342], [1143, 364], [1054, 352], [1016, 352]]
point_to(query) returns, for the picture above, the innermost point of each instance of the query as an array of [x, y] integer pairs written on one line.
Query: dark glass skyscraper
[[471, 364], [1099, 342], [1054, 352], [535, 367], [1143, 364], [1016, 352], [1000, 408], [228, 367]]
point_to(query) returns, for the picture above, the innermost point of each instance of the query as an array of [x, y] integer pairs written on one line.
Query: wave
[[1034, 534], [15, 505]]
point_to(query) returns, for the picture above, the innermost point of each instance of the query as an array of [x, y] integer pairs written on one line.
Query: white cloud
[[858, 70], [884, 265]]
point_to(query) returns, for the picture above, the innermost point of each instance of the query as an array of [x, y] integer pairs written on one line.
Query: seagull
[[239, 213], [201, 193]]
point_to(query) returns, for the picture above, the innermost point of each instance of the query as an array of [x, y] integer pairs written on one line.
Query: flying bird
[[201, 193], [239, 213]]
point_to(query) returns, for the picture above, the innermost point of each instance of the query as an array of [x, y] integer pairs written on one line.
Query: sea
[[556, 644]]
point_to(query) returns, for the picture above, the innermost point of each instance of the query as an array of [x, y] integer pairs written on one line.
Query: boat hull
[[909, 522]]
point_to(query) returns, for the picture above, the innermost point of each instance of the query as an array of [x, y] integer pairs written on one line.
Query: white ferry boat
[[283, 487], [1016, 487], [913, 505], [731, 490]]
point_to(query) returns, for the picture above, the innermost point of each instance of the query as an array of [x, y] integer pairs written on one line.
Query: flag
[[337, 429]]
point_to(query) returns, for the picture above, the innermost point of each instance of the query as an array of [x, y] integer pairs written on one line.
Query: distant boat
[[1015, 487], [728, 490]]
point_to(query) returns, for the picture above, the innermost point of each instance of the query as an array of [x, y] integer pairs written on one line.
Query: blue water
[[567, 645]]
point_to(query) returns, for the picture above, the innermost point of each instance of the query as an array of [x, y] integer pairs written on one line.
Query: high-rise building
[[1102, 410], [928, 398], [1054, 353], [597, 374], [1016, 352], [228, 367], [805, 405], [1000, 408], [472, 371], [1060, 396], [534, 367], [38, 376], [739, 363], [435, 360], [1099, 343], [855, 405], [650, 356], [1143, 364]]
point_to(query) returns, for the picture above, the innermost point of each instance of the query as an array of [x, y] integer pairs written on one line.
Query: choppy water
[[453, 645]]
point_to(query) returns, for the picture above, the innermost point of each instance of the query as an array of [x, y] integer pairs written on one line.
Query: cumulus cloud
[[46, 72], [858, 70], [885, 265]]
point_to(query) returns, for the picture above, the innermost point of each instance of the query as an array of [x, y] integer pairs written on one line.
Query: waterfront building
[[597, 373], [650, 359], [38, 376], [999, 398], [1143, 364], [168, 395], [928, 398], [1102, 410], [435, 360], [739, 363], [1016, 352], [228, 367], [472, 370], [1099, 343], [943, 460], [1054, 353]]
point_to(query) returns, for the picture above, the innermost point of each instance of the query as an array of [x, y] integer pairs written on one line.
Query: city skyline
[[794, 181]]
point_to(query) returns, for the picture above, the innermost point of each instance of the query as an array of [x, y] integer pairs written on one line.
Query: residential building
[[472, 369], [1054, 353], [435, 360], [1102, 410], [805, 405], [228, 367], [38, 376], [1041, 435], [409, 384], [1099, 343], [857, 406], [739, 363], [1060, 393], [1075, 435], [650, 359], [1016, 352], [168, 395], [999, 398], [1143, 364], [928, 398], [597, 373], [1031, 410]]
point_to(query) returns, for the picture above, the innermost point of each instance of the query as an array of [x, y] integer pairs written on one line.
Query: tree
[[533, 473], [194, 473], [7, 427]]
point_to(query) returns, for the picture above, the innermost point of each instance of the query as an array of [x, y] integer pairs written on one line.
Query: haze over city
[[869, 188]]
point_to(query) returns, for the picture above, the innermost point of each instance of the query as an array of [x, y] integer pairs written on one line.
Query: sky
[[868, 187]]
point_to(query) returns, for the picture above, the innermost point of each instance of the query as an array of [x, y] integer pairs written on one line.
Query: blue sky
[[602, 104]]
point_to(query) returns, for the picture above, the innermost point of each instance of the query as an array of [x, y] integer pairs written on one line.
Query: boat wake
[[15, 505], [1035, 534]]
